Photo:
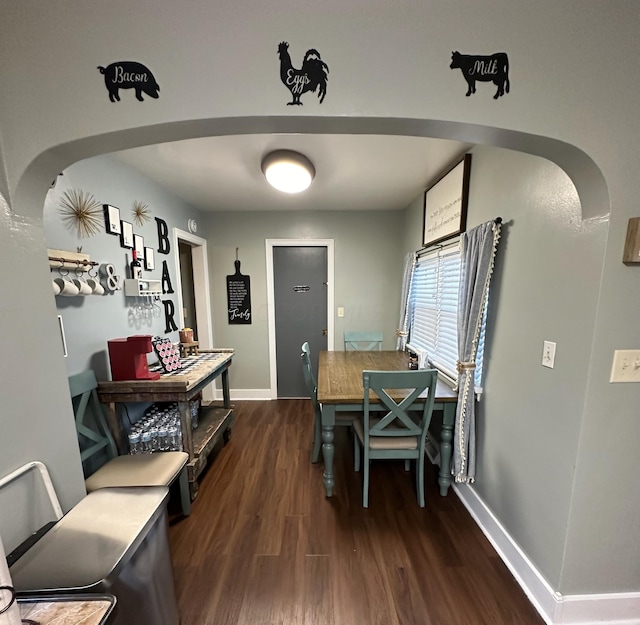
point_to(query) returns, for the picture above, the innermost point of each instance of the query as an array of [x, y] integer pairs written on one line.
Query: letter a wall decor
[[312, 75], [493, 68], [129, 75]]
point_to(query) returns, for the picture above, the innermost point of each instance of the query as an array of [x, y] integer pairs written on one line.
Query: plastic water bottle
[[175, 438], [134, 442], [145, 440], [163, 438]]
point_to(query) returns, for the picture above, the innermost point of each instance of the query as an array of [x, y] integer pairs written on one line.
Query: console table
[[214, 420]]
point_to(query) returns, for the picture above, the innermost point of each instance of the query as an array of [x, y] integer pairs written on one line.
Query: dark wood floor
[[264, 546]]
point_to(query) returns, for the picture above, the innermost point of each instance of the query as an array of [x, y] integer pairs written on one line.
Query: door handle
[[325, 333]]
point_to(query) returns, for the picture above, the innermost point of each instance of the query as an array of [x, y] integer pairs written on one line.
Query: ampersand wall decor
[[109, 279]]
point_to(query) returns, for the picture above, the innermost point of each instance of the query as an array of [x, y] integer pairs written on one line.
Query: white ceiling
[[353, 172]]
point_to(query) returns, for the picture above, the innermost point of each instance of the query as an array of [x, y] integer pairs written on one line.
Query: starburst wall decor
[[141, 213], [82, 212]]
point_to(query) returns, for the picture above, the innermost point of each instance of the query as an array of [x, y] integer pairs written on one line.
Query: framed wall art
[[138, 245], [112, 219], [149, 261], [126, 236], [445, 204]]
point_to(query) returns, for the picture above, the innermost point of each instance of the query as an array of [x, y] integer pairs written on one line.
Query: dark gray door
[[300, 297]]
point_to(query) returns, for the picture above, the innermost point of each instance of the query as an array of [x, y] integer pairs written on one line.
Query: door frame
[[270, 244], [200, 264]]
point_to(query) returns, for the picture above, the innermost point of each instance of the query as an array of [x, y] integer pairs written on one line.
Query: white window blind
[[434, 307], [434, 311]]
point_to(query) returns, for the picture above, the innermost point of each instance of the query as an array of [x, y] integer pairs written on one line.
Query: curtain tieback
[[465, 366], [402, 333]]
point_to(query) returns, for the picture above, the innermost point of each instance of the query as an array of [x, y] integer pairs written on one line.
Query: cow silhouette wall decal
[[129, 75], [493, 68], [311, 76]]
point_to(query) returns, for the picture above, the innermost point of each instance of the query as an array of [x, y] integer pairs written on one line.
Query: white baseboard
[[248, 394], [553, 607]]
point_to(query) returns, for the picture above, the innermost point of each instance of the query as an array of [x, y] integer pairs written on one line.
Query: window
[[433, 311]]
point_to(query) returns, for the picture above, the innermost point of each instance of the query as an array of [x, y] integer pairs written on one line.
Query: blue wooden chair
[[363, 341], [102, 465], [342, 418], [388, 430]]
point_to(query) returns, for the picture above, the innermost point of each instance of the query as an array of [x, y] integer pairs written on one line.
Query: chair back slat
[[307, 371], [401, 393], [94, 435], [363, 341]]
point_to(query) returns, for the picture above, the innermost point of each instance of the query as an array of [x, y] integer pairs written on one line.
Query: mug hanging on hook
[[65, 284], [94, 281], [79, 281]]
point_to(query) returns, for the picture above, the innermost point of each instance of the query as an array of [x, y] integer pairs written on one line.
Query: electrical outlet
[[548, 354], [626, 366], [340, 311]]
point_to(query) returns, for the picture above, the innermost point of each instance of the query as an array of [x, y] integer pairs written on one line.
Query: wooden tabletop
[[340, 375], [67, 610], [197, 368]]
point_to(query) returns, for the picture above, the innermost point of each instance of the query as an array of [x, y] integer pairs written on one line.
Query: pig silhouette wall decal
[[129, 75], [493, 68]]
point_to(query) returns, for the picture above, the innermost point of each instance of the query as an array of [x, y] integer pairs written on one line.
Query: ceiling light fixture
[[288, 171]]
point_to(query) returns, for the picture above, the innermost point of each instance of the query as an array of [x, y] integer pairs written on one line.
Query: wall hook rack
[[62, 258]]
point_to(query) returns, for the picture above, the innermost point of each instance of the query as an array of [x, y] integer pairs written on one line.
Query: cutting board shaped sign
[[239, 297]]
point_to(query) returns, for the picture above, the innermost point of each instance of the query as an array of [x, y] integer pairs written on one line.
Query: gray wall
[[91, 321], [367, 263], [529, 417], [547, 258], [573, 99]]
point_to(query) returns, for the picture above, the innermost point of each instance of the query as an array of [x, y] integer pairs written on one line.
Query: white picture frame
[[126, 236], [149, 260], [445, 204], [138, 245]]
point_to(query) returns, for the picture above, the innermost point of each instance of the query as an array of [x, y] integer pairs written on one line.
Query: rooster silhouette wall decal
[[311, 76]]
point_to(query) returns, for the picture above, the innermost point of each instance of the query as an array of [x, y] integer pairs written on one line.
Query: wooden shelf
[[213, 423], [136, 287]]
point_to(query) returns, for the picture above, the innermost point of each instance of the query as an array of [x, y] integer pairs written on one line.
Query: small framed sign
[[126, 236], [138, 245], [112, 219], [445, 204], [149, 261]]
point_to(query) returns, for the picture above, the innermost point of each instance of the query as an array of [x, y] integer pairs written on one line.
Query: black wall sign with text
[[239, 297], [129, 75], [493, 68], [311, 76]]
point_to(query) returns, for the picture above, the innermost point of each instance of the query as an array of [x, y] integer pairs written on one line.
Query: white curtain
[[403, 326], [478, 250]]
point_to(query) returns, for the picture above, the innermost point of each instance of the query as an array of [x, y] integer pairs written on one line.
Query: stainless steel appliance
[[116, 541]]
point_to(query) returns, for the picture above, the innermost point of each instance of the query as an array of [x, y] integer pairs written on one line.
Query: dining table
[[340, 388]]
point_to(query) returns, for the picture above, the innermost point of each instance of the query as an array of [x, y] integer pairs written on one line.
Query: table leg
[[184, 409], [116, 425], [328, 422], [446, 436], [225, 388]]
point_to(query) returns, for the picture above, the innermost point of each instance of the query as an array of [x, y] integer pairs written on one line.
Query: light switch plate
[[340, 311], [548, 354], [626, 366]]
